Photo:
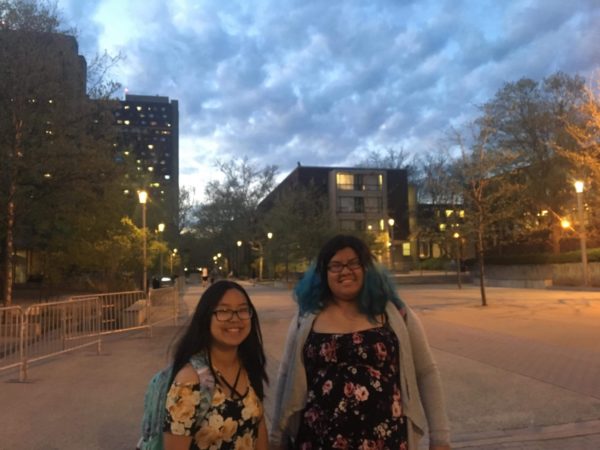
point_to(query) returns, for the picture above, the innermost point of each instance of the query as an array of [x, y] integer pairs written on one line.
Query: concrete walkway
[[522, 373]]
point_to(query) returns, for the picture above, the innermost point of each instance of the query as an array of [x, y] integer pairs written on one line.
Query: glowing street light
[[582, 234], [391, 223], [161, 229], [143, 198]]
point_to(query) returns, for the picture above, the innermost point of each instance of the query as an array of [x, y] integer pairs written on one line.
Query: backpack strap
[[207, 384]]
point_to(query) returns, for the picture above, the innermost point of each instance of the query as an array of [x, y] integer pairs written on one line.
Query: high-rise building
[[149, 142]]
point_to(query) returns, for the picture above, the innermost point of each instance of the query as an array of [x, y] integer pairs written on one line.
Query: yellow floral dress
[[230, 423]]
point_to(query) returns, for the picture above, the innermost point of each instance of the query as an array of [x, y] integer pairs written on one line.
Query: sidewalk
[[522, 373]]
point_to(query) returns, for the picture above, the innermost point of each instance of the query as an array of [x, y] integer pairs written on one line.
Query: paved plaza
[[522, 373]]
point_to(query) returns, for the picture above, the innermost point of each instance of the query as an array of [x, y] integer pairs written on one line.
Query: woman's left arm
[[430, 386], [262, 440]]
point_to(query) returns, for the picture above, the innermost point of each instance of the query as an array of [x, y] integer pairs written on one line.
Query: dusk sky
[[323, 82]]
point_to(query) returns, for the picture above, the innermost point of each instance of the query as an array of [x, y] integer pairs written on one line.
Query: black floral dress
[[354, 399]]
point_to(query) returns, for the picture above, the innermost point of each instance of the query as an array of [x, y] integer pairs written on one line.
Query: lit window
[[126, 153], [406, 249], [125, 191], [126, 122], [139, 108], [461, 213], [47, 175], [151, 147], [449, 212], [150, 169], [126, 107], [442, 226], [50, 101], [167, 177], [381, 225]]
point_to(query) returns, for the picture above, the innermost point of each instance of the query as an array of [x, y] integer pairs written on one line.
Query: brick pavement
[[94, 402]]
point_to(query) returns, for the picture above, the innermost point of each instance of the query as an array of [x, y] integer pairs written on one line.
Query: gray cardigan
[[422, 397]]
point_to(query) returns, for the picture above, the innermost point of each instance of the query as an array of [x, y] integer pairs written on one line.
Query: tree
[[527, 117], [391, 159], [229, 213], [304, 210], [55, 143], [489, 189], [584, 158]]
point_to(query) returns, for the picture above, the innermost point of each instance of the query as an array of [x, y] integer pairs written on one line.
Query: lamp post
[[456, 236], [172, 257], [391, 223], [161, 229], [582, 234], [237, 259], [143, 198], [269, 237]]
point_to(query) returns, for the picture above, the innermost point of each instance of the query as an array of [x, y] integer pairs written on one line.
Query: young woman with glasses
[[224, 335], [357, 371]]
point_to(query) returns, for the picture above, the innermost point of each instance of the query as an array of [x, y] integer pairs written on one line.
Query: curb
[[551, 432]]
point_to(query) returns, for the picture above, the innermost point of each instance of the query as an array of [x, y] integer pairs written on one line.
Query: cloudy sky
[[322, 82]]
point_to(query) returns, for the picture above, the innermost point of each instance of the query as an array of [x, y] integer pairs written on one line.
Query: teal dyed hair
[[312, 292]]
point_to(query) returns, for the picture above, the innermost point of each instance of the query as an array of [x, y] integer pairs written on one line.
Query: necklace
[[233, 388], [219, 377]]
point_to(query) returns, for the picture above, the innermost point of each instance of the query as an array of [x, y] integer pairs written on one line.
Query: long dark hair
[[312, 293], [197, 337]]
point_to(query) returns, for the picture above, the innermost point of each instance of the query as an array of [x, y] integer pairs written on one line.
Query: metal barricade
[[121, 311], [11, 342], [50, 329]]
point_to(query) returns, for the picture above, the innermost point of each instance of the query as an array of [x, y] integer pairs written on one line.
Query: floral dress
[[354, 399], [229, 423]]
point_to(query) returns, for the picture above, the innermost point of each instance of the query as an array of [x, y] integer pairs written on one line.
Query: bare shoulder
[[186, 375]]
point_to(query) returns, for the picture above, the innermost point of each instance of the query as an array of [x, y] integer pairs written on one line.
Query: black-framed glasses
[[224, 315], [337, 267]]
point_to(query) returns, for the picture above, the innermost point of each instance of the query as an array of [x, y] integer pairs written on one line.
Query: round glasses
[[337, 267], [224, 315]]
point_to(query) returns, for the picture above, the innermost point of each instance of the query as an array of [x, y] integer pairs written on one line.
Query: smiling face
[[232, 332], [346, 284]]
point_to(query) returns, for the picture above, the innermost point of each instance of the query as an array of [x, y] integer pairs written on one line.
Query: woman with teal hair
[[357, 371]]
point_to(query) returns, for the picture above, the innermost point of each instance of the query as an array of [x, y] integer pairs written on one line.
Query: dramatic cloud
[[322, 82]]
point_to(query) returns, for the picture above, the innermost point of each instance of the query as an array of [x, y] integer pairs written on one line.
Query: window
[[344, 181], [406, 249], [358, 183], [346, 204], [359, 204], [374, 204]]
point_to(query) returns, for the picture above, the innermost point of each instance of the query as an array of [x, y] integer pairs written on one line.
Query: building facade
[[148, 140], [370, 201]]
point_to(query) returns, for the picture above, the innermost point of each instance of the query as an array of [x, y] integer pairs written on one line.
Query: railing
[[121, 311], [49, 329]]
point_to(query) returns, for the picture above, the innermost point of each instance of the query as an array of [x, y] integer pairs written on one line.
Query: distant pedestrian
[[205, 276], [225, 334]]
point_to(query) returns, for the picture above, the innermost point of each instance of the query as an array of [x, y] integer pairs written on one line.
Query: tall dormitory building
[[149, 140]]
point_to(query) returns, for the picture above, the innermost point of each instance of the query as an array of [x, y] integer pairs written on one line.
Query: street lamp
[[161, 229], [173, 255], [237, 259], [456, 236], [143, 198], [391, 223], [269, 237], [582, 235]]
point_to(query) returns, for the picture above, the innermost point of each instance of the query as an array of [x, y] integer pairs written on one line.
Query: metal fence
[[48, 329]]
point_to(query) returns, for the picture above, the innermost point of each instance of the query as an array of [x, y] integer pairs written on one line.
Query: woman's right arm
[[179, 438]]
